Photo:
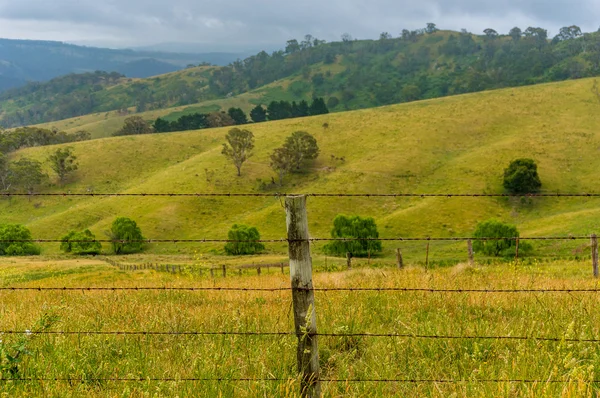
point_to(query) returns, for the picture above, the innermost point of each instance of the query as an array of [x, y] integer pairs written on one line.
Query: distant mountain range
[[22, 61]]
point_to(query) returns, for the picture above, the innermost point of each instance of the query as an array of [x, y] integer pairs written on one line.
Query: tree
[[503, 240], [354, 227], [219, 119], [134, 125], [347, 38], [258, 114], [80, 243], [515, 33], [385, 36], [490, 33], [27, 174], [431, 28], [569, 33], [239, 147], [162, 126], [238, 116], [244, 241], [332, 102], [292, 46], [122, 232], [302, 146], [63, 162], [521, 177], [16, 232], [318, 107], [282, 162]]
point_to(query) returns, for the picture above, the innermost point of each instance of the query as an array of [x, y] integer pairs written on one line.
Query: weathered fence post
[[240, 271], [399, 258], [282, 270], [470, 251], [349, 259], [517, 252], [224, 271], [595, 254], [427, 256], [303, 296], [212, 273], [258, 270]]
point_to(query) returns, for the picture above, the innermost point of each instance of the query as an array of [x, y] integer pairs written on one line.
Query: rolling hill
[[454, 144], [23, 61], [352, 74]]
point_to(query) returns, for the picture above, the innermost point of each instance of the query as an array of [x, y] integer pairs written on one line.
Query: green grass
[[457, 144], [81, 356]]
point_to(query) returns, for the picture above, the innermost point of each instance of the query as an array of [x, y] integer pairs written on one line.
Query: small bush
[[81, 243], [16, 232], [125, 229], [354, 227], [245, 241], [506, 243]]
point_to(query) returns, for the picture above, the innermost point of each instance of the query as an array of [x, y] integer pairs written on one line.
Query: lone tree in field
[[303, 147], [258, 114], [122, 232], [521, 177], [239, 147], [12, 232], [244, 241], [364, 230], [282, 162], [63, 162], [134, 125], [81, 243], [504, 239]]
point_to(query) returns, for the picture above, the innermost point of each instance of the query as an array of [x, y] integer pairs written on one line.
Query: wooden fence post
[[224, 271], [282, 270], [517, 251], [399, 258], [258, 270], [349, 260], [303, 297], [427, 256], [212, 273], [595, 254], [470, 251]]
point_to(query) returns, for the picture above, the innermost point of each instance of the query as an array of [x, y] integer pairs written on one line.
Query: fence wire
[[279, 334]]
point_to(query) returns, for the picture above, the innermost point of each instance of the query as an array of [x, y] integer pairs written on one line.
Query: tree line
[[276, 110], [412, 65]]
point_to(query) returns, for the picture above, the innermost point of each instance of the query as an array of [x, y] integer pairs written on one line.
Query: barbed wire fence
[[302, 289]]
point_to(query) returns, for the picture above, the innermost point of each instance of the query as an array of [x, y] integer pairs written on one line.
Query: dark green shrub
[[125, 229], [506, 243], [245, 241], [354, 227], [20, 233], [521, 177], [80, 243]]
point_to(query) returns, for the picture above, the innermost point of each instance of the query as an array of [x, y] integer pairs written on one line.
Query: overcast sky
[[251, 24]]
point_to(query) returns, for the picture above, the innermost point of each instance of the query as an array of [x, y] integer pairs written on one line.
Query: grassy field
[[457, 144], [463, 363]]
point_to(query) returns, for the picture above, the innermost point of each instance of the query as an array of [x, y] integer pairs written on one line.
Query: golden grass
[[418, 313]]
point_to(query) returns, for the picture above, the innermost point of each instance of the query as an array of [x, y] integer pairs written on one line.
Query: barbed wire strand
[[270, 334], [276, 379], [285, 289], [314, 195], [285, 240]]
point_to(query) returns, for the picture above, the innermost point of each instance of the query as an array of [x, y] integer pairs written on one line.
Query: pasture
[[519, 342]]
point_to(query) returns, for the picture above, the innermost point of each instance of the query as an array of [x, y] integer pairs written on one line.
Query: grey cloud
[[244, 22]]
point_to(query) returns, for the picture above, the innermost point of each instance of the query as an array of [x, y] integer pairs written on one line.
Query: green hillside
[[352, 74], [455, 144]]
